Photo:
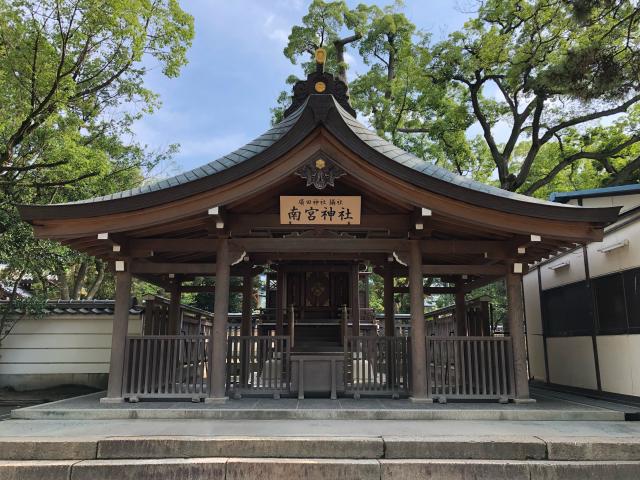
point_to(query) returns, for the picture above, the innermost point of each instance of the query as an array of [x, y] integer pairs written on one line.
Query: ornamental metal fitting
[[320, 173]]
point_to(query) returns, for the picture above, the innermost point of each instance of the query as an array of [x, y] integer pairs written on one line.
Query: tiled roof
[[266, 140], [236, 157], [426, 167], [81, 307], [318, 110]]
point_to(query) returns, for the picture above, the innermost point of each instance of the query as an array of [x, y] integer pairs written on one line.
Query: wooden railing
[[258, 365], [165, 366], [470, 367], [376, 365]]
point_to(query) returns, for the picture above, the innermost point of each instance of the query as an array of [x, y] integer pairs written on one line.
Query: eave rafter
[[386, 184], [459, 234]]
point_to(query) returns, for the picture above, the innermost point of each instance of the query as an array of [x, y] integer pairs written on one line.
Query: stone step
[[227, 412], [385, 447], [224, 468]]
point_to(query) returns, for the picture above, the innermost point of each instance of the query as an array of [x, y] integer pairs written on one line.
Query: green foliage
[[323, 26], [562, 77], [71, 85], [550, 71], [206, 301], [497, 294]]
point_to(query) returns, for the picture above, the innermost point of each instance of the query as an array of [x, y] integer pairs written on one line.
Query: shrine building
[[315, 204]]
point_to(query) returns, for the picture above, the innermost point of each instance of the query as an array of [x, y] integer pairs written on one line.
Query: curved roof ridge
[[319, 110], [398, 155], [236, 157]]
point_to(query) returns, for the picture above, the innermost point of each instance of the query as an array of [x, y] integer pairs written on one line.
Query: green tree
[[71, 85], [330, 25], [550, 70], [561, 76]]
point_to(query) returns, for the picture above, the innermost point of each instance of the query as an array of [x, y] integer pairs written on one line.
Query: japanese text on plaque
[[319, 210]]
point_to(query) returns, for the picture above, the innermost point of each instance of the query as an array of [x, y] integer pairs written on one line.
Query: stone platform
[[548, 407], [251, 439]]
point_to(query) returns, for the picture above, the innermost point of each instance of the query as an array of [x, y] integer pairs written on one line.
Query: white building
[[583, 306]]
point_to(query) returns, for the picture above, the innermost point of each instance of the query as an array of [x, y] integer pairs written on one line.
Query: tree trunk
[[81, 276], [6, 314], [391, 65], [63, 284], [340, 46], [93, 290]]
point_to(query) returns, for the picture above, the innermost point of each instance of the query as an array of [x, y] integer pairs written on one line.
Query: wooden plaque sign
[[319, 210]]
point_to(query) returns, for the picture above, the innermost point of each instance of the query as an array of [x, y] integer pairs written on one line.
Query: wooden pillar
[[247, 299], [389, 304], [119, 337], [461, 311], [174, 307], [281, 298], [418, 342], [218, 342], [355, 301], [515, 314]]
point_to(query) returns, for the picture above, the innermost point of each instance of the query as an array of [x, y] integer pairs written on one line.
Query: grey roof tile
[[369, 137], [424, 166], [253, 148], [242, 154]]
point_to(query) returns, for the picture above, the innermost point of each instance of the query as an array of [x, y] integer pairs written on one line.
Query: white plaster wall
[[532, 310], [575, 272], [596, 202], [571, 361], [625, 201], [619, 358], [634, 361], [56, 344], [535, 345], [623, 258], [615, 370]]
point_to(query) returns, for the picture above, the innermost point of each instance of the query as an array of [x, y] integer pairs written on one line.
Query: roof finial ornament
[[321, 58], [320, 82]]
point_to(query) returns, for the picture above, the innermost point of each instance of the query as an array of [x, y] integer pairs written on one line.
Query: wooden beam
[[427, 290], [318, 245], [480, 282], [207, 288], [138, 267], [464, 270], [218, 216], [264, 245], [464, 247], [244, 222], [173, 245], [263, 258], [117, 242]]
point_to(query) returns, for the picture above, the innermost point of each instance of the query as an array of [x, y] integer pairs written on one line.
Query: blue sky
[[236, 71]]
